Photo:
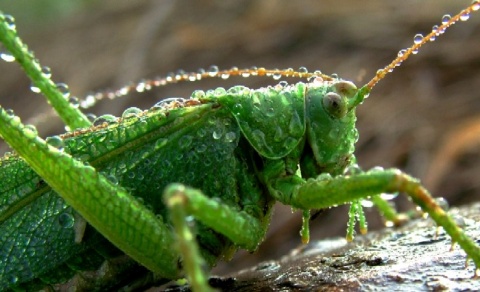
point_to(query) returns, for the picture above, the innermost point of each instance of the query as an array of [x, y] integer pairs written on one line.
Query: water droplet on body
[[47, 73], [131, 112], [6, 56], [30, 131], [198, 94], [217, 134], [55, 141], [104, 119], [446, 18], [66, 220], [185, 141], [201, 148], [34, 88], [230, 137], [465, 16], [12, 279], [74, 101], [417, 39], [10, 21], [213, 70], [476, 7], [64, 90], [161, 143]]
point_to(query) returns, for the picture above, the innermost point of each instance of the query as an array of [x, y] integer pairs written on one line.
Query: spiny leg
[[107, 207], [243, 229], [327, 191]]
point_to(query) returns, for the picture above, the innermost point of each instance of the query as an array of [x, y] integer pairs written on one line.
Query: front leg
[[326, 191], [243, 229]]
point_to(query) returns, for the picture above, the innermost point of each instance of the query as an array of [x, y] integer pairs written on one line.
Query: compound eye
[[334, 105]]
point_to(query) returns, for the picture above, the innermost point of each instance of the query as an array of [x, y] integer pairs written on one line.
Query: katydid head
[[331, 132]]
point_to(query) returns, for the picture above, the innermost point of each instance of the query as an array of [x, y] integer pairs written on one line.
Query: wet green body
[[200, 145]]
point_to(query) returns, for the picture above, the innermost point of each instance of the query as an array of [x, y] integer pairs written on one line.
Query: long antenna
[[212, 72], [419, 40]]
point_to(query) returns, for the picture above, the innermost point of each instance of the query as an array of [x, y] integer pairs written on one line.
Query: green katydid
[[227, 131]]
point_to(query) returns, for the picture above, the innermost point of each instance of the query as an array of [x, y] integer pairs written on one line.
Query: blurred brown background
[[424, 118]]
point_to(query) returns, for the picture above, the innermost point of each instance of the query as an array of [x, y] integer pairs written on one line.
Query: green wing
[[272, 118]]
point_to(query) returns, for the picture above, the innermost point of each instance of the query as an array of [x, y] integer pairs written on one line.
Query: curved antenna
[[420, 40], [213, 72]]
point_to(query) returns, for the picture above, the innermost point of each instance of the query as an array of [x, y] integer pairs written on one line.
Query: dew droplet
[[55, 141], [113, 179], [417, 39], [140, 87], [277, 74], [201, 148], [160, 143], [303, 70], [131, 112], [198, 94], [259, 137], [185, 141], [34, 88], [464, 16], [12, 279], [66, 220], [46, 72], [10, 21], [104, 119], [388, 197], [220, 91], [10, 112], [91, 117], [278, 134], [270, 112], [230, 137], [446, 18], [402, 52], [179, 156], [169, 100], [180, 74], [213, 70], [88, 102], [217, 134], [295, 126], [476, 5], [443, 203], [73, 100], [376, 169], [201, 132], [367, 203], [352, 169], [64, 90], [288, 72], [30, 131], [6, 56], [246, 74]]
